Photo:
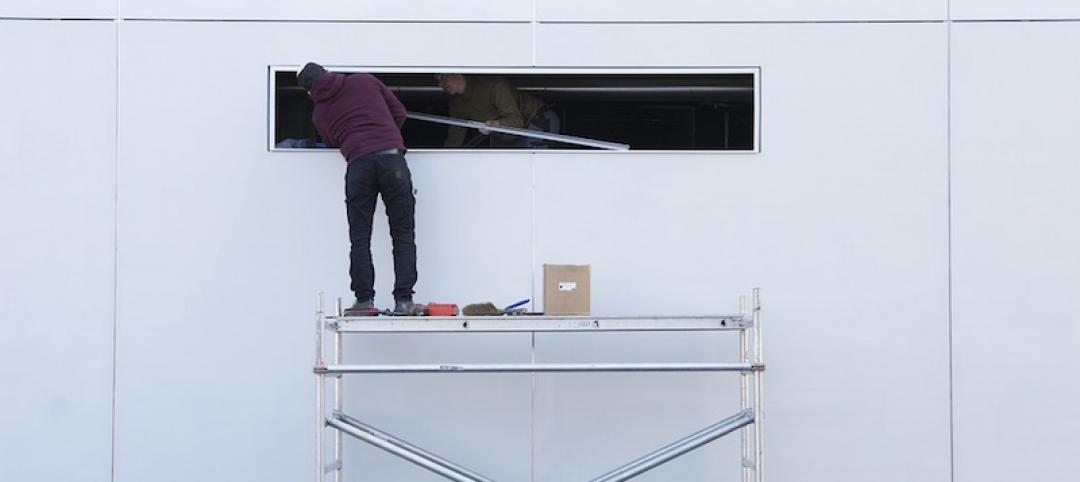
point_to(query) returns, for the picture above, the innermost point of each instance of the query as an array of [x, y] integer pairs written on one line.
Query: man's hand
[[490, 123]]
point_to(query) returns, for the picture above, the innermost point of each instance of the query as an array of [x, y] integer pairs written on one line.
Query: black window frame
[[755, 72]]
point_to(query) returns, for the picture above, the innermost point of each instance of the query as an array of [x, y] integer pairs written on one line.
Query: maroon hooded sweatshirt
[[357, 113]]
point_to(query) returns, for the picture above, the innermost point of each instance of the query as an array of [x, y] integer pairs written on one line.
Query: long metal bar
[[339, 403], [581, 141], [400, 452], [744, 397], [408, 446], [542, 368], [677, 449], [320, 392], [759, 401], [667, 447], [519, 324], [694, 89]]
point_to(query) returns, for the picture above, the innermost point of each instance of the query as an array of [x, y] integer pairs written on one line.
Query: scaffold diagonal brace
[[403, 449], [678, 448]]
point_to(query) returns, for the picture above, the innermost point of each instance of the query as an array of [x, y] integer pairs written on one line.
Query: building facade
[[910, 215]]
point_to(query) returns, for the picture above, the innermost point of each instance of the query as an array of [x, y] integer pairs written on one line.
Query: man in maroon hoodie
[[362, 117]]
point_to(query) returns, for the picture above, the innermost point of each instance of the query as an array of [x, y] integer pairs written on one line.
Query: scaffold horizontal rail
[[503, 324], [540, 368]]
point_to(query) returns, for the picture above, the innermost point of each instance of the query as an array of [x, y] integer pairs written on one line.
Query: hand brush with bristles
[[481, 309]]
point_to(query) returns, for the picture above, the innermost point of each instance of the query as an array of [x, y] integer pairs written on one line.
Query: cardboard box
[[566, 289]]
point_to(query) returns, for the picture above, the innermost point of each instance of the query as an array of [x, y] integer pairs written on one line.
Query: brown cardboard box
[[566, 289]]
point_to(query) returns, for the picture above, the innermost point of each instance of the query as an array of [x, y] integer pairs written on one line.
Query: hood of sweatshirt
[[327, 87]]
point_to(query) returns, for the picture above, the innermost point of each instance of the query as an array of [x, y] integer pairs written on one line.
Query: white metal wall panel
[[224, 245], [57, 171], [839, 219], [1015, 236], [58, 8], [1014, 9], [474, 244], [737, 11], [363, 10], [481, 421]]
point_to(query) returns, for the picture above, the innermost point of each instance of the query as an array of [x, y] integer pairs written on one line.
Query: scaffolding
[[750, 367]]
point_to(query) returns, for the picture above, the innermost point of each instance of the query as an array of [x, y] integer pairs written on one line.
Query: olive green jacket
[[488, 98]]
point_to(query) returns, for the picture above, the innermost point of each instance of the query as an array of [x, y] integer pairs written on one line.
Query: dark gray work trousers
[[366, 178]]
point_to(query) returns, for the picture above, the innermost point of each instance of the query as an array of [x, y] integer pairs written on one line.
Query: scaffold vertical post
[[339, 404], [759, 401], [320, 386], [744, 394]]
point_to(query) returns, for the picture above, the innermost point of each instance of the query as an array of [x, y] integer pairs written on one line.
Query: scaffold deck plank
[[503, 324]]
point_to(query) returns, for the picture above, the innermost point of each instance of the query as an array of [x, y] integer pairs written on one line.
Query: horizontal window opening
[[646, 111]]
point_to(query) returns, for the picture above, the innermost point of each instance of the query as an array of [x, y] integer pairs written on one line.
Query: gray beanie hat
[[309, 74]]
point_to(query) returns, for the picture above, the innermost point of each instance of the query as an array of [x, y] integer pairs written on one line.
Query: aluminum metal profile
[[759, 392], [471, 124], [408, 446], [406, 454], [434, 89], [339, 404], [539, 368], [503, 324], [745, 461], [678, 448], [320, 392]]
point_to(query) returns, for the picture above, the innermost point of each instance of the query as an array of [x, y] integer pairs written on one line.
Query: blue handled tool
[[515, 305]]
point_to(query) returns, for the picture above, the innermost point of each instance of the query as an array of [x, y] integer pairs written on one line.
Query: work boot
[[362, 308], [406, 307]]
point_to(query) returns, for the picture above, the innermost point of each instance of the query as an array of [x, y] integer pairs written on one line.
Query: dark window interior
[[679, 112]]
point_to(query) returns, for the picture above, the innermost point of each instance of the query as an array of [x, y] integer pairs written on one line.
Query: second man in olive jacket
[[491, 99]]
